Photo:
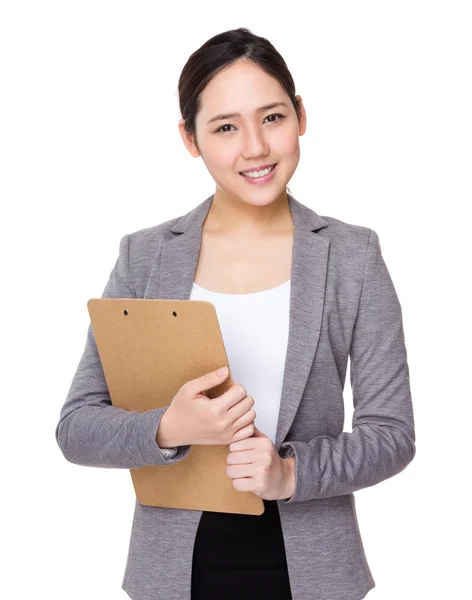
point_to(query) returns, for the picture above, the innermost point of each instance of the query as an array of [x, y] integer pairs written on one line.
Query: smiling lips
[[259, 171], [260, 177]]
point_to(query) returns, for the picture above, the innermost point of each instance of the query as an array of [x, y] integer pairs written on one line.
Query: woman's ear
[[188, 139], [302, 120]]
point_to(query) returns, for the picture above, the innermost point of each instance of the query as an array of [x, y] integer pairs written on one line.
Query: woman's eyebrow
[[224, 116]]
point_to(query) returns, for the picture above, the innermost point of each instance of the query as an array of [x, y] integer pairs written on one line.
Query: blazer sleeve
[[91, 431], [382, 441]]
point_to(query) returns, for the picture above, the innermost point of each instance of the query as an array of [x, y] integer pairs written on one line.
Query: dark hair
[[220, 51]]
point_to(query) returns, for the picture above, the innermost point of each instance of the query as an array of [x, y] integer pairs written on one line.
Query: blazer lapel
[[173, 274]]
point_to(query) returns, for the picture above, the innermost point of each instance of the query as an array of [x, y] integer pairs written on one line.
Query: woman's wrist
[[166, 436], [290, 476]]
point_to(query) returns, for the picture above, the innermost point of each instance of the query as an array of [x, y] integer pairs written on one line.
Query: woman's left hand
[[255, 466]]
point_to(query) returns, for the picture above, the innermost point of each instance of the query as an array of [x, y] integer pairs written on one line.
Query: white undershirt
[[255, 331]]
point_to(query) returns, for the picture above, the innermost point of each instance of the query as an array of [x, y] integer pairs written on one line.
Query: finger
[[207, 381], [239, 471], [243, 484], [246, 444], [243, 457]]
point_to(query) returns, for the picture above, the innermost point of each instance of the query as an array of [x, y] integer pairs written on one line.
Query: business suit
[[343, 303]]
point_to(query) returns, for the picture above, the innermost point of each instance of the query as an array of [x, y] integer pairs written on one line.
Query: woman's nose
[[255, 145]]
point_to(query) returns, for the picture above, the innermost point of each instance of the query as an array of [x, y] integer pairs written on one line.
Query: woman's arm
[[91, 431], [382, 441]]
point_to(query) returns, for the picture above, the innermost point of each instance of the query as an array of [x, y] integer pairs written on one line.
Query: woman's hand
[[193, 418], [255, 466]]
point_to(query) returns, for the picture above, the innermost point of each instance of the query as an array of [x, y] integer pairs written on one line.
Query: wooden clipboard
[[148, 349]]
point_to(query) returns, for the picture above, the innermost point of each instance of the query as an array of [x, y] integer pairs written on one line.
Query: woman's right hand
[[211, 421]]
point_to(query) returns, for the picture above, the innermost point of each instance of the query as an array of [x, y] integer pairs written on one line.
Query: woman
[[296, 294]]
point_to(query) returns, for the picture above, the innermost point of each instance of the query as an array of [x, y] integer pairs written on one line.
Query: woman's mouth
[[260, 176]]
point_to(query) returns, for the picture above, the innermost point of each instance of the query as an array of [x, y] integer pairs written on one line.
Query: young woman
[[296, 294]]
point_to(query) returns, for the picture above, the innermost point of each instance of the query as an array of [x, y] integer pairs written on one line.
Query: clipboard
[[148, 349]]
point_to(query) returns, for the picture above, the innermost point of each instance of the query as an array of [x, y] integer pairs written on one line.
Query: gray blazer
[[343, 303]]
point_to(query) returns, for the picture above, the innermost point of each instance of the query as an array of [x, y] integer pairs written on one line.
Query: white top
[[255, 331]]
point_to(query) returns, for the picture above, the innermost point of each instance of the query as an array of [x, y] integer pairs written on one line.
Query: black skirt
[[240, 556]]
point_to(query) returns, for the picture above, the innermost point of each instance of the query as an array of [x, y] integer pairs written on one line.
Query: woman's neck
[[233, 215]]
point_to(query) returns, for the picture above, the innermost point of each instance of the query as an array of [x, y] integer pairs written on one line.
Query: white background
[[90, 151]]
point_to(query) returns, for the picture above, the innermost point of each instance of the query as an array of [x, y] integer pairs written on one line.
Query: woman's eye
[[221, 128], [278, 115]]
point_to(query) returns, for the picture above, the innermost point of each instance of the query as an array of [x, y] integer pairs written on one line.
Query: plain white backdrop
[[90, 151]]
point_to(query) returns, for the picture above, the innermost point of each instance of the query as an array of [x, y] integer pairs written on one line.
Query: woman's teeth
[[257, 173]]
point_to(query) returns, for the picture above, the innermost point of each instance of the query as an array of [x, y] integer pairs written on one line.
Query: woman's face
[[239, 142]]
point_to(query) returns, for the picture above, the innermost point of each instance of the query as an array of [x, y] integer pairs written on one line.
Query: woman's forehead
[[240, 89]]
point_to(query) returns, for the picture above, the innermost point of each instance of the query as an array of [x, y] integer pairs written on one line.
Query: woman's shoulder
[[339, 231], [150, 237], [152, 233], [343, 228], [350, 240], [138, 249]]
